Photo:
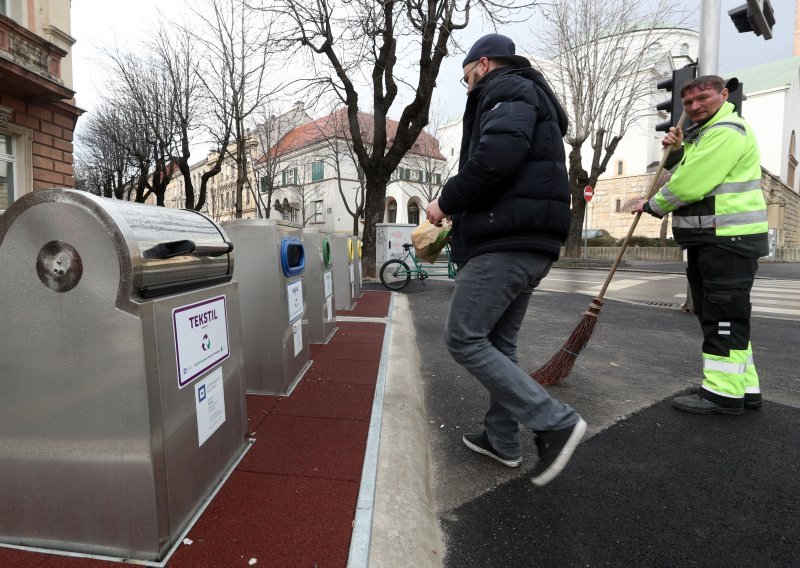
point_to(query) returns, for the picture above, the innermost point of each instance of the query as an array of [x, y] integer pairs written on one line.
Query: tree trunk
[[578, 179], [375, 198]]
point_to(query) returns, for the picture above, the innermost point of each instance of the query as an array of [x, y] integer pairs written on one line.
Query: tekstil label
[[201, 338]]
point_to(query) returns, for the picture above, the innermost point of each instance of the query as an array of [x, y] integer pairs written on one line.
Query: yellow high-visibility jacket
[[715, 194]]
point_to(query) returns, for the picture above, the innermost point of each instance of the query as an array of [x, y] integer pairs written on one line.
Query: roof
[[335, 125], [772, 75]]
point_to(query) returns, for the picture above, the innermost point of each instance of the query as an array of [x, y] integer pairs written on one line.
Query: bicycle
[[395, 274]]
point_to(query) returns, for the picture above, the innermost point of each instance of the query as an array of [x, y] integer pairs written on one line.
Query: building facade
[[305, 171], [37, 106]]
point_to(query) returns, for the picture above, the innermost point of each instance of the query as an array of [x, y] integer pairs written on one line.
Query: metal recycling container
[[358, 279], [389, 241], [320, 304], [343, 271], [123, 407], [270, 265]]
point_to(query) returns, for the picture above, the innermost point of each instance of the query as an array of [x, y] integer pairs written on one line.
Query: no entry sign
[[588, 193]]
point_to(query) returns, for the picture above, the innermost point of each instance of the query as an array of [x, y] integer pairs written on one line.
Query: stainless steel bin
[[343, 271], [321, 308], [358, 279], [123, 406], [270, 264]]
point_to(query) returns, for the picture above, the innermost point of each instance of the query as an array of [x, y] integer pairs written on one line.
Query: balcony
[[30, 66]]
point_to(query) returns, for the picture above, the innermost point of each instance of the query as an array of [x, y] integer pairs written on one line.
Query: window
[[317, 171], [413, 213], [295, 215], [6, 171], [421, 175], [392, 212], [3, 8], [437, 179], [248, 196], [264, 185], [289, 176], [620, 167], [685, 49], [318, 210], [617, 206]]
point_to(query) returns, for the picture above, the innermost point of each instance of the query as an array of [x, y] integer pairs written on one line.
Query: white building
[[316, 179]]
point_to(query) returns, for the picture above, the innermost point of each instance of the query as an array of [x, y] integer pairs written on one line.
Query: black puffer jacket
[[512, 190]]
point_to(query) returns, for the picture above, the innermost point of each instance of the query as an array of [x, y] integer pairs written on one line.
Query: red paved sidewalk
[[292, 499]]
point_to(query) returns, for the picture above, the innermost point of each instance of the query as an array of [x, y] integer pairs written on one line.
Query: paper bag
[[429, 240]]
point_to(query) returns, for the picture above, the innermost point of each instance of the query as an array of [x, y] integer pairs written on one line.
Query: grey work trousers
[[491, 297]]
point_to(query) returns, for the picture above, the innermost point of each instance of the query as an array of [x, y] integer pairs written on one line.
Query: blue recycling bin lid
[[293, 256]]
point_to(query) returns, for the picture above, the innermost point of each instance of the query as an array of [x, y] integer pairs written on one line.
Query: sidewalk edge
[[405, 527]]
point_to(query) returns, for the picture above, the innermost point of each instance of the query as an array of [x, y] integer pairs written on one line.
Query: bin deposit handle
[[183, 247]]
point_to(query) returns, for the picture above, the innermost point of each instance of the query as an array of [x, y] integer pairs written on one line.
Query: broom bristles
[[560, 364]]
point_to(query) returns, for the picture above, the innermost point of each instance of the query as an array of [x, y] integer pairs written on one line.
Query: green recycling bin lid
[[326, 253]]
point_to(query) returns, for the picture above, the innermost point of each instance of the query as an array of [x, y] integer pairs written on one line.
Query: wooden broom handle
[[651, 191]]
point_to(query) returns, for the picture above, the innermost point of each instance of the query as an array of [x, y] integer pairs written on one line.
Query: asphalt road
[[650, 486]]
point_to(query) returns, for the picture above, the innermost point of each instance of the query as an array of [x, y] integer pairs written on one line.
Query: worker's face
[[703, 102]]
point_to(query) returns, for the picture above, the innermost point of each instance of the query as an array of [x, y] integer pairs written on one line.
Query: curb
[[405, 527]]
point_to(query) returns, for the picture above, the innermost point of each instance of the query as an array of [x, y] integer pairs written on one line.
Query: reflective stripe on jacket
[[715, 195]]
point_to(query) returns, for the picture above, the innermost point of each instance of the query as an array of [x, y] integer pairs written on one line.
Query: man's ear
[[724, 94]]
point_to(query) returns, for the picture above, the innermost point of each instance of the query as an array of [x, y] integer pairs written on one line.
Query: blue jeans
[[491, 297]]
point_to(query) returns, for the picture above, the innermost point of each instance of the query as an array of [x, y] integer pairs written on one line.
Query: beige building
[[37, 106]]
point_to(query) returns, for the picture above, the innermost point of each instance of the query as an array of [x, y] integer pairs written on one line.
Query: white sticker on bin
[[209, 401], [328, 281], [297, 332], [294, 294]]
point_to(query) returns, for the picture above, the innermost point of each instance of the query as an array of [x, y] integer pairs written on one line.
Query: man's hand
[[434, 214], [639, 206], [673, 138]]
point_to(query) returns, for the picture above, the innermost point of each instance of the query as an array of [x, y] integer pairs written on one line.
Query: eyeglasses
[[464, 78]]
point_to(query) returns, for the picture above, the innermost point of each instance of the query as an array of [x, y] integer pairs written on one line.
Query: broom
[[560, 364]]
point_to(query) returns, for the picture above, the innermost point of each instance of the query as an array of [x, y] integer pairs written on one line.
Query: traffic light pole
[[708, 57], [707, 64]]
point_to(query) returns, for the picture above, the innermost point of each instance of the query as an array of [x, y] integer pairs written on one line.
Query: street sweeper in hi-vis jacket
[[720, 217]]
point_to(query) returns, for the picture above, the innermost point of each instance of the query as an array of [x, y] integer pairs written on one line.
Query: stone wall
[[611, 205]]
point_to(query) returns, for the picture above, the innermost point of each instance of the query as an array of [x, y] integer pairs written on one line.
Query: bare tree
[[351, 40], [104, 162], [602, 53], [236, 40]]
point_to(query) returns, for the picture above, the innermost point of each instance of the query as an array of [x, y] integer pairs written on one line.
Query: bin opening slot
[[293, 256], [172, 249]]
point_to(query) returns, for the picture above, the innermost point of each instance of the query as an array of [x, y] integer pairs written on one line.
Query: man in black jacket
[[511, 198]]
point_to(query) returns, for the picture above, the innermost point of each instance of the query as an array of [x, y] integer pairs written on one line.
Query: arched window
[[620, 167], [617, 206], [684, 49], [391, 215], [792, 162], [413, 213]]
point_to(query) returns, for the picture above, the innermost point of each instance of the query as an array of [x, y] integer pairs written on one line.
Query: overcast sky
[[103, 24]]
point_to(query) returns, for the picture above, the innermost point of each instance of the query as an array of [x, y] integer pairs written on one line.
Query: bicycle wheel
[[395, 274]]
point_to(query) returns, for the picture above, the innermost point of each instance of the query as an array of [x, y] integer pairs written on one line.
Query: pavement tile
[[22, 559], [328, 400], [343, 371], [279, 521], [258, 407], [312, 447], [355, 352]]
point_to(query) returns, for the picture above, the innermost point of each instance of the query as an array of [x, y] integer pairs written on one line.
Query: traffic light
[[756, 16], [674, 106], [735, 94]]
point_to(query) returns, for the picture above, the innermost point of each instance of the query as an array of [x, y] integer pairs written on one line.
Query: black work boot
[[479, 442], [699, 405]]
